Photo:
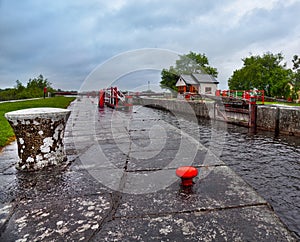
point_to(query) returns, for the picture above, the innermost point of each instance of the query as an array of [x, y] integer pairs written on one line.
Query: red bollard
[[101, 99], [115, 90], [187, 173]]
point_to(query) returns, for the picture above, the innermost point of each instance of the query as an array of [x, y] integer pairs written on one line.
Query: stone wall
[[203, 110], [281, 119], [289, 121], [267, 117], [208, 110]]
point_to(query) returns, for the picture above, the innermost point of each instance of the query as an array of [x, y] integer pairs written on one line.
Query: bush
[[35, 88]]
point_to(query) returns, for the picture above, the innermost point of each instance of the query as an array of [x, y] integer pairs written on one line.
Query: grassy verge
[[6, 132], [288, 104]]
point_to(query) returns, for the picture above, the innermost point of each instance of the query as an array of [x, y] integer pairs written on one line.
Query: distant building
[[197, 83], [291, 86]]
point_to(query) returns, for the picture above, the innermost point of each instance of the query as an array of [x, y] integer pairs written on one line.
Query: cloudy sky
[[66, 41]]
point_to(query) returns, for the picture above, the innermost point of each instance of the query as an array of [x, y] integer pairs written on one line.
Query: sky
[[69, 41]]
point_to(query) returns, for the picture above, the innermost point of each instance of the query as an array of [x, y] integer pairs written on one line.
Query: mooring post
[[111, 95], [39, 133], [252, 112], [101, 99], [115, 90]]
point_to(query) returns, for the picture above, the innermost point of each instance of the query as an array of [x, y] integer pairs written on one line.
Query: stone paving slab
[[147, 124], [6, 211], [9, 157], [144, 143], [169, 158], [257, 223], [155, 132], [6, 182], [110, 158], [137, 157], [73, 219], [51, 184], [216, 188]]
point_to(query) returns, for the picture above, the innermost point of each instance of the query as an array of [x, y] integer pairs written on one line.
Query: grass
[[6, 132], [282, 103]]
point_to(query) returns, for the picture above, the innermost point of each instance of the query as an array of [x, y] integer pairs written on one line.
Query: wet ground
[[119, 184], [269, 163]]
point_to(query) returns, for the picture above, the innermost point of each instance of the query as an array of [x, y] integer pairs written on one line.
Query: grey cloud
[[67, 39], [263, 25]]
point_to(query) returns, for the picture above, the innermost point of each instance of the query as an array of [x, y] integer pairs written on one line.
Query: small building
[[291, 86], [197, 83]]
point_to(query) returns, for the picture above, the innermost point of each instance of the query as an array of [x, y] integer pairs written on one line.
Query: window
[[181, 89], [208, 90]]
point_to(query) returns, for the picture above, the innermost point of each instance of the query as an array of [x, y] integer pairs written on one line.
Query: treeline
[[268, 72], [33, 89]]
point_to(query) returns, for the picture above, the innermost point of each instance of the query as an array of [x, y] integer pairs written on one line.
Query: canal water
[[271, 165]]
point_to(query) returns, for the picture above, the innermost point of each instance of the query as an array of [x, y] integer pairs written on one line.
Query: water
[[271, 165]]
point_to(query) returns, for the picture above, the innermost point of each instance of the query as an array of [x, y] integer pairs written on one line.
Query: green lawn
[[6, 132], [282, 103]]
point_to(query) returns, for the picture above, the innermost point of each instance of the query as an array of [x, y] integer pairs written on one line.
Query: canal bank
[[279, 119], [119, 184]]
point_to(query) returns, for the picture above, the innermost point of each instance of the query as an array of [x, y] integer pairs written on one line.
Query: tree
[[169, 78], [267, 72], [296, 76], [38, 82], [186, 64], [36, 86], [19, 86]]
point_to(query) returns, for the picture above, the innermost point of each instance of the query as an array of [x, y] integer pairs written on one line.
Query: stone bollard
[[39, 133]]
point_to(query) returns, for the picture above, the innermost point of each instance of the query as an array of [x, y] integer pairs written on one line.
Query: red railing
[[114, 98], [243, 94]]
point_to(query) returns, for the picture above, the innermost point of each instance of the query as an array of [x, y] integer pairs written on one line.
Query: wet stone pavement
[[119, 184]]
